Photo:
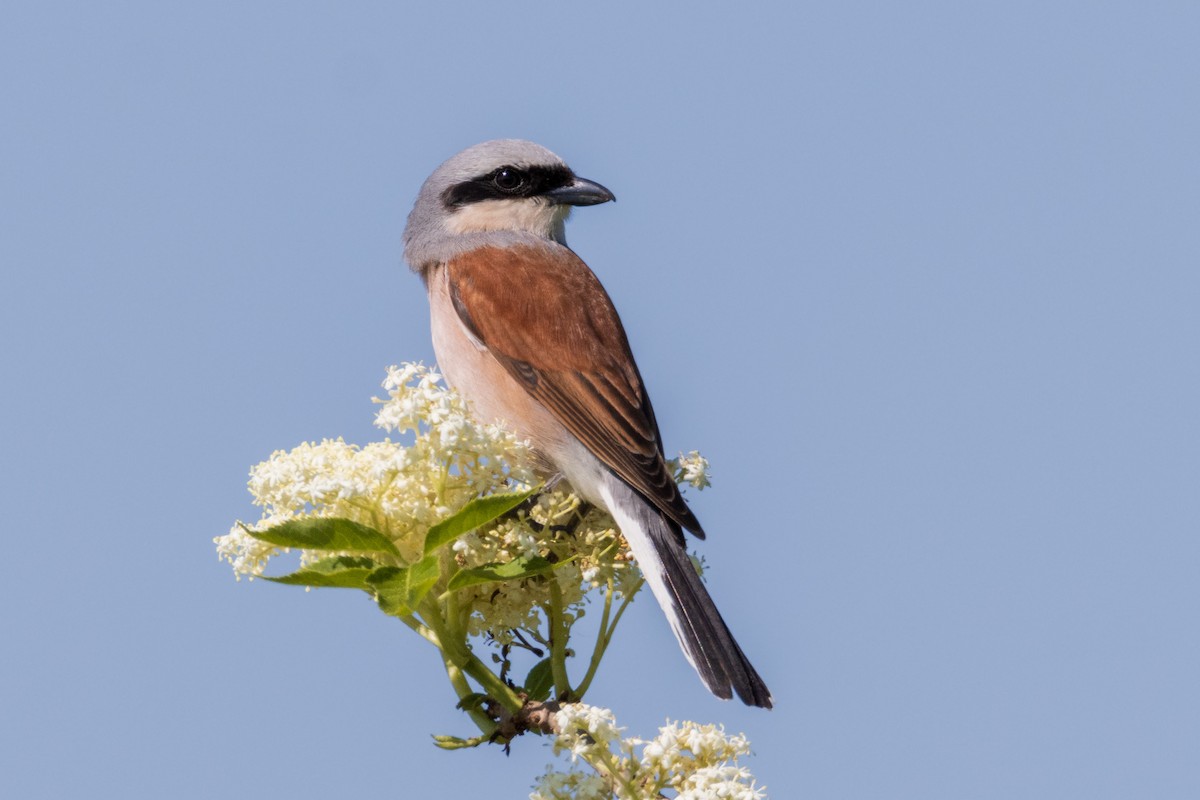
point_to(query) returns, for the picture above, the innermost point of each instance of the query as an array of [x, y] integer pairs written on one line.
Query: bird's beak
[[580, 192]]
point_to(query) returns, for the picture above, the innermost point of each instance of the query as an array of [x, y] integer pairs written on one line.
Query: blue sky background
[[920, 279]]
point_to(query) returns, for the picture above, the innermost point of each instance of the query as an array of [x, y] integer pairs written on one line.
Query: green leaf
[[390, 585], [540, 680], [420, 579], [525, 567], [347, 572], [456, 743], [326, 533], [399, 590], [479, 511]]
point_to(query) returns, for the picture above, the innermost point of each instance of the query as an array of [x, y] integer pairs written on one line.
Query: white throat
[[526, 215]]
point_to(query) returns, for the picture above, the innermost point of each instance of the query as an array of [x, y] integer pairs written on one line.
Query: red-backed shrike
[[526, 333]]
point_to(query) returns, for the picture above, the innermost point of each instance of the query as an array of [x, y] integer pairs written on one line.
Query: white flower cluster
[[571, 785], [402, 491], [695, 762], [399, 490], [561, 529], [691, 468], [700, 762], [584, 729]]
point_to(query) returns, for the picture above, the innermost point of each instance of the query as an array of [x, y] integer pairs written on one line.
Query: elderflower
[[403, 490], [693, 761], [691, 469], [726, 783], [571, 785], [558, 528], [399, 490], [583, 729], [682, 749]]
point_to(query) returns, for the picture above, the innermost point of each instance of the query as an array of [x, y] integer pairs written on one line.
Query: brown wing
[[545, 317]]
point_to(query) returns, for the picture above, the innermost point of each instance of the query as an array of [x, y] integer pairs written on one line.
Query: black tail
[[657, 544], [703, 634]]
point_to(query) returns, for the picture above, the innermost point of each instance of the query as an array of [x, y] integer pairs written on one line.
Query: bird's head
[[501, 185]]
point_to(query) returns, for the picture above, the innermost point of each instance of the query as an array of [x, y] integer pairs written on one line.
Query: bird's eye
[[508, 179]]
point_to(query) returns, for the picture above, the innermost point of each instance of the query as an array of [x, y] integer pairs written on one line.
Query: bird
[[525, 332]]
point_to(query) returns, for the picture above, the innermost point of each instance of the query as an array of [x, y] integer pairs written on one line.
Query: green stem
[[454, 648], [601, 644], [456, 625], [559, 634], [423, 630], [454, 672], [455, 620], [496, 688], [461, 688], [621, 611]]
